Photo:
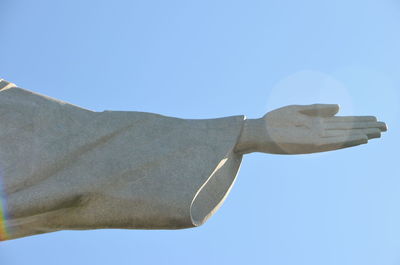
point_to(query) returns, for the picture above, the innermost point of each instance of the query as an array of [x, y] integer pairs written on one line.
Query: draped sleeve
[[115, 169]]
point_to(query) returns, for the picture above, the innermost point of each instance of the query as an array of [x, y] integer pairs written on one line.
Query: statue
[[67, 168]]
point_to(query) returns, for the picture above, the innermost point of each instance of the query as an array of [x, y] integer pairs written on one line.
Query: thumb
[[320, 110]]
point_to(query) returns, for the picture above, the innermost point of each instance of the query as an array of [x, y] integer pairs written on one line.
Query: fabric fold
[[65, 167]]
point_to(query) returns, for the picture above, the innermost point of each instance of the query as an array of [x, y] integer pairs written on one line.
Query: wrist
[[251, 136]]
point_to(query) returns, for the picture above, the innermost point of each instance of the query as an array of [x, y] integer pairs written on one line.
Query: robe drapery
[[64, 167]]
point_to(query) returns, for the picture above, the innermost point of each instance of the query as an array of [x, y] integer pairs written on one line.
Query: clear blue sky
[[205, 59]]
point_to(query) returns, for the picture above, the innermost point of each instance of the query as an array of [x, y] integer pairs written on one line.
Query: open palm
[[314, 128]]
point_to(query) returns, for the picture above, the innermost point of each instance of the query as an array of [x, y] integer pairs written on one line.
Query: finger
[[342, 142], [352, 119], [320, 110], [355, 125], [371, 133]]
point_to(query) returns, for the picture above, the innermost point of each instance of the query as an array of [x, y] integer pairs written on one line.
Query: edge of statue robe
[[65, 167]]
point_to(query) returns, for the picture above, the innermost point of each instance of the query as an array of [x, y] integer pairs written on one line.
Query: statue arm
[[71, 168], [306, 129]]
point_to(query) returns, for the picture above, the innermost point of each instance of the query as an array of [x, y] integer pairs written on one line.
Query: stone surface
[[65, 167], [307, 129]]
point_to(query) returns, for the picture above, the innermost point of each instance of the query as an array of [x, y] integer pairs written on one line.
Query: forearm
[[253, 137]]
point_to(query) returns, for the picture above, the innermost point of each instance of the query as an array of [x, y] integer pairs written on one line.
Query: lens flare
[[4, 235]]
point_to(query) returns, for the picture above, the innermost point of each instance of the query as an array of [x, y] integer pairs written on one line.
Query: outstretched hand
[[307, 129]]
